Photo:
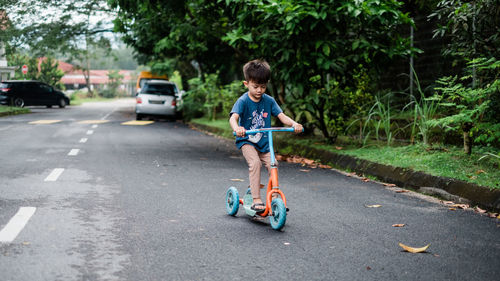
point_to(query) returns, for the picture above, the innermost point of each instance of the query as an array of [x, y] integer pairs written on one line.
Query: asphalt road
[[147, 203]]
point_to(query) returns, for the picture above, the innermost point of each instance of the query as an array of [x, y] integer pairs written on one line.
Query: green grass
[[11, 110], [438, 161], [79, 101], [447, 162]]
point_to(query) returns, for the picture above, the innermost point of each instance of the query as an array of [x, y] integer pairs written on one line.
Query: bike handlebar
[[275, 129]]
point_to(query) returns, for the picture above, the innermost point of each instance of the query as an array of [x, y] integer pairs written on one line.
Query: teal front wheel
[[278, 217], [232, 201]]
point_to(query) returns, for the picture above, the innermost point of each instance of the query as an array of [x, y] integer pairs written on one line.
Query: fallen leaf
[[365, 179], [472, 177], [398, 225], [461, 206], [480, 172], [237, 180], [412, 249], [338, 148], [368, 268], [402, 191], [304, 170], [286, 243], [325, 166], [373, 206], [26, 243], [389, 184], [308, 161], [452, 209], [436, 255], [479, 210], [492, 215], [447, 202], [351, 174], [278, 157]]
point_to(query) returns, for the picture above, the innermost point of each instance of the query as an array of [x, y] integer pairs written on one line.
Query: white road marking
[[83, 140], [74, 152], [16, 224], [55, 174], [90, 132], [94, 126]]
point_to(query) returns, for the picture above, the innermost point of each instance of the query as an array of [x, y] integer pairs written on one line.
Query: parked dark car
[[21, 93]]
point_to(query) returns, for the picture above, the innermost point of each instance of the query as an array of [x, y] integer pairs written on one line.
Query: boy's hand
[[240, 132], [298, 128]]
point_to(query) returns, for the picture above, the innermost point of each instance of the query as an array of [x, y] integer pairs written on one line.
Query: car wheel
[[62, 103], [138, 116], [19, 102]]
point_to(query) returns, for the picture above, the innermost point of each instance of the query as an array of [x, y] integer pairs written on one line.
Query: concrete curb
[[403, 177]]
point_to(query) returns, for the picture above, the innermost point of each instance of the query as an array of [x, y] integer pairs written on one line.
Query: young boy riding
[[252, 111]]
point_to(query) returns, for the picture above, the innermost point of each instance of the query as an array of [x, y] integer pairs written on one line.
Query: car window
[[4, 85], [160, 89], [46, 88]]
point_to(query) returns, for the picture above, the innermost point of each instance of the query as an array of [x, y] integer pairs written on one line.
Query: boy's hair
[[257, 71]]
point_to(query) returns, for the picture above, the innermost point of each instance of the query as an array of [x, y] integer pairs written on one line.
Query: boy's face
[[255, 90]]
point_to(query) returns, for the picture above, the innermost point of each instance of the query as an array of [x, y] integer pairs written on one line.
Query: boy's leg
[[254, 165], [266, 159]]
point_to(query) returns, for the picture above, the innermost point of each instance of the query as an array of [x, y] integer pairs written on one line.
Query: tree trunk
[[467, 127]]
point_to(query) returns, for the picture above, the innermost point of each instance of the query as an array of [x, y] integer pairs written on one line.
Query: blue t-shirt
[[255, 115]]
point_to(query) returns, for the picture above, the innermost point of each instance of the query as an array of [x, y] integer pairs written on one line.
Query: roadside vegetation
[[482, 167], [352, 72], [12, 110]]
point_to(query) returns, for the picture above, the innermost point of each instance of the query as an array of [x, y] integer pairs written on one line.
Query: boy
[[253, 110]]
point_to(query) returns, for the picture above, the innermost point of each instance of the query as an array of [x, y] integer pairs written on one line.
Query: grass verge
[[437, 161], [11, 110]]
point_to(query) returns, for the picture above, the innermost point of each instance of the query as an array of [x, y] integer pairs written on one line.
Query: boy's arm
[[233, 121], [289, 122]]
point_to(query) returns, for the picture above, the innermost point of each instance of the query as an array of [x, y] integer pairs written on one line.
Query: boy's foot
[[258, 207]]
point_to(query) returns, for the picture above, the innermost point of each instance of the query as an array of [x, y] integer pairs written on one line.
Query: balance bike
[[276, 208]]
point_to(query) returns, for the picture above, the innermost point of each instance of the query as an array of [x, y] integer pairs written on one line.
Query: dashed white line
[[83, 140], [16, 224], [94, 126], [74, 152], [54, 174], [90, 132]]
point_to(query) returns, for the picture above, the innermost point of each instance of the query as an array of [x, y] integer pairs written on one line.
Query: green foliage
[[471, 25], [465, 105], [45, 70], [331, 106], [114, 81], [207, 98]]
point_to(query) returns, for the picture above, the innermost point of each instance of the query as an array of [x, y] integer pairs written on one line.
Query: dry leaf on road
[[325, 166], [412, 249], [389, 184], [398, 225], [461, 206], [237, 180], [304, 170], [365, 179], [479, 210], [402, 191]]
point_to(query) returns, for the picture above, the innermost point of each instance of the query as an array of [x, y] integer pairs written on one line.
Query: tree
[[42, 69], [472, 27], [50, 27], [301, 39]]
